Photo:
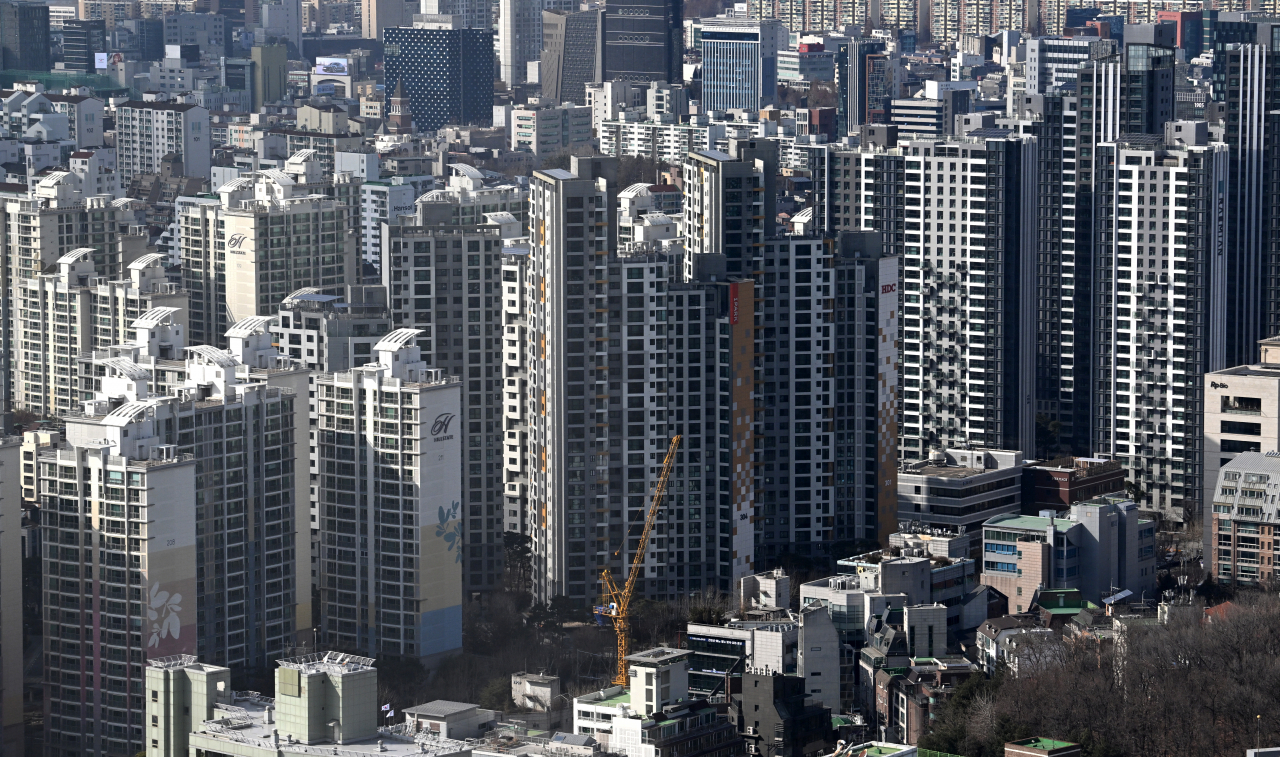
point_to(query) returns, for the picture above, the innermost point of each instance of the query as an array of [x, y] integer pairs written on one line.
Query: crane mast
[[616, 602]]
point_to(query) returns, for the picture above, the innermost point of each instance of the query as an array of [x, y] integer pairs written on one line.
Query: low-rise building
[[775, 716], [325, 703], [1239, 545], [994, 635], [909, 698], [549, 130], [1241, 414], [960, 487], [1064, 481], [1102, 547]]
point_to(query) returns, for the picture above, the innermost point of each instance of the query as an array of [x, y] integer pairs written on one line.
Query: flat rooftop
[[658, 656], [243, 723], [952, 471]]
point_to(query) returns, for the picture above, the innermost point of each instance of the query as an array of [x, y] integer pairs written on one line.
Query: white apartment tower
[[71, 310], [172, 517], [444, 278], [386, 468], [261, 240], [1160, 297], [148, 130]]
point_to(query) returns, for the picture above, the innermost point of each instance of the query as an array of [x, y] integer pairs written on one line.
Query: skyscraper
[[644, 40], [739, 63], [445, 68], [572, 54], [519, 37], [24, 36]]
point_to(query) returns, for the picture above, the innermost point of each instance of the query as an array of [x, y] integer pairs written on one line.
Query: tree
[[497, 695], [517, 566]]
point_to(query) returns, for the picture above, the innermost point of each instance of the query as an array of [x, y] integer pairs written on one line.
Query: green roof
[[1038, 742], [1024, 522], [623, 698], [876, 750]]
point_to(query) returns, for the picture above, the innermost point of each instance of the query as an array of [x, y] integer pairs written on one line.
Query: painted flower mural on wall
[[162, 612], [452, 535]]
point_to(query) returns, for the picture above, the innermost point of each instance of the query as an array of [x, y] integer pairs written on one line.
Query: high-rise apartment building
[[330, 333], [444, 68], [644, 41], [1063, 272], [739, 63], [24, 36], [148, 130], [965, 226], [444, 277], [12, 635], [173, 518], [619, 355], [386, 473], [244, 252], [1160, 289], [71, 310]]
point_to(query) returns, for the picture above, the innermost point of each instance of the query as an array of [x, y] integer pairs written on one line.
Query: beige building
[[71, 310], [1241, 414], [264, 238]]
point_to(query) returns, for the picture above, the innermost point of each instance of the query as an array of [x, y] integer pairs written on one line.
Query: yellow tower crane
[[616, 602]]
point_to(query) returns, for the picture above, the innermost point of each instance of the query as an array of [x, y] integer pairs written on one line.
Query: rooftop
[[1039, 742], [440, 708], [946, 471], [658, 656], [327, 662]]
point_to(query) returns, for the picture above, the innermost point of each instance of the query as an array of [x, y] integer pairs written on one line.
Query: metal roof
[[397, 339], [146, 260], [250, 326], [440, 708], [126, 367], [127, 413], [153, 317], [213, 355], [76, 255], [462, 169]]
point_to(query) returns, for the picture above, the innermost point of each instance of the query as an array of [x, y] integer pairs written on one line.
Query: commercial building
[[270, 74], [196, 536], [405, 597], [777, 715], [960, 487], [24, 36], [550, 130], [1054, 61], [1241, 406], [644, 41], [148, 130], [1101, 547], [809, 62], [739, 63], [444, 68], [192, 708], [1238, 538], [82, 40], [519, 38], [1062, 482], [211, 32], [572, 54]]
